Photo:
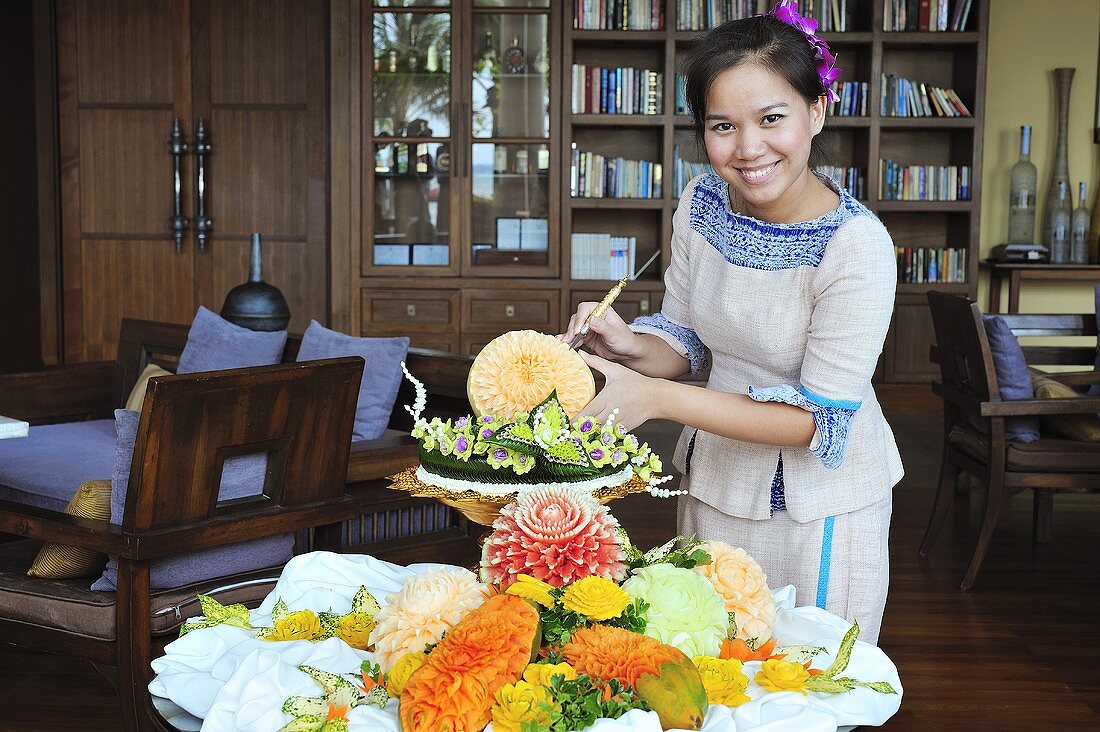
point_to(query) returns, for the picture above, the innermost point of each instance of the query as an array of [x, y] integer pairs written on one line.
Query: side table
[[1017, 273]]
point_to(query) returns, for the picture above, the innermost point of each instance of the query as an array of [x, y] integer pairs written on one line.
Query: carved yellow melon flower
[[354, 629], [541, 674], [402, 670], [724, 680], [532, 589], [776, 675], [518, 704], [298, 625], [596, 598]]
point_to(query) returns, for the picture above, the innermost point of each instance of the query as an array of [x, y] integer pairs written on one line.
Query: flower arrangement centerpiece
[[565, 626], [480, 462]]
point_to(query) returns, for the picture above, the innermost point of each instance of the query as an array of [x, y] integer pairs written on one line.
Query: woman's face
[[757, 131]]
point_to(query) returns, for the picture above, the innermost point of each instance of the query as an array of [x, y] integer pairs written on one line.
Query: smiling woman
[[785, 284]]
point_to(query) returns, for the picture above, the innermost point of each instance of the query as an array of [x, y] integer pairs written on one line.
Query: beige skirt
[[840, 563]]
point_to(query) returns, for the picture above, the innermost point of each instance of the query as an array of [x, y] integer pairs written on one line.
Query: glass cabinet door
[[513, 228], [409, 197]]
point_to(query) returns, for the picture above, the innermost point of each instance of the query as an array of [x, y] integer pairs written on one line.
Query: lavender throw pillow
[[381, 373], [1013, 378], [215, 344], [241, 476]]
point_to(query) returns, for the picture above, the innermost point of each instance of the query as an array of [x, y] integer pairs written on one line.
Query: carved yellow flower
[[776, 675], [402, 670], [530, 588], [596, 598], [724, 680], [298, 625], [540, 674], [354, 629], [519, 703]]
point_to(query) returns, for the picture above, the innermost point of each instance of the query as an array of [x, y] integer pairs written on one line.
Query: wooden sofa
[[398, 527]]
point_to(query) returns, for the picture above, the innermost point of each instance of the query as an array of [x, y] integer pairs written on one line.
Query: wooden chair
[[94, 390], [970, 393], [301, 415]]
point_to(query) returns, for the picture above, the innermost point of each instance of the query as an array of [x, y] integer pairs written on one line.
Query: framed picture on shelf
[[534, 234], [392, 255], [431, 255], [508, 232]]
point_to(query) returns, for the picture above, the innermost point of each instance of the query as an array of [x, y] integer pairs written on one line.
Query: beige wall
[[1026, 40]]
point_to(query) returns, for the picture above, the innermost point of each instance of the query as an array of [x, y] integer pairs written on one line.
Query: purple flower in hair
[[786, 11]]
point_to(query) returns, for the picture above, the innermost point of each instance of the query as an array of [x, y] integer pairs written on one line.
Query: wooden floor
[[1015, 653]]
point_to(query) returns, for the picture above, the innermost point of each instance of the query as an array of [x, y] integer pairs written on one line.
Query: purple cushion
[[241, 476], [215, 344], [381, 374], [46, 467], [1013, 379]]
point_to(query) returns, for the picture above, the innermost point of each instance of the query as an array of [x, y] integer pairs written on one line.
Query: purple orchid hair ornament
[[786, 11]]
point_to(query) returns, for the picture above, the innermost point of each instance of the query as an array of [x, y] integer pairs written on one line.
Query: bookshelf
[[452, 286], [867, 53]]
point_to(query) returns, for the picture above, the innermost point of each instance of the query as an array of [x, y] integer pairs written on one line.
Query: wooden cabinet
[[255, 73], [429, 317]]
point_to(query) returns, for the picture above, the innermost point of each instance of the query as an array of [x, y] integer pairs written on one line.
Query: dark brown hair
[[762, 39]]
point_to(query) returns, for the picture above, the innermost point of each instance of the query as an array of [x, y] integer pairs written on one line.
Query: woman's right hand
[[608, 335]]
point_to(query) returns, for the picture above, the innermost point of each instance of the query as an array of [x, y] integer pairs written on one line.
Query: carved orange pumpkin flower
[[606, 653], [743, 652]]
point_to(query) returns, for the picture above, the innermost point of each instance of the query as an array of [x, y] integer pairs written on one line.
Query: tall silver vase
[[1063, 82]]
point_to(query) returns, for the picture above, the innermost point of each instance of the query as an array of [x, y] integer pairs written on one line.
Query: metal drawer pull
[[510, 311], [410, 310], [177, 147]]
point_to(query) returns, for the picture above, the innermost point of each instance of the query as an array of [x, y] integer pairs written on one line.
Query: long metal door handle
[[203, 223], [178, 148]]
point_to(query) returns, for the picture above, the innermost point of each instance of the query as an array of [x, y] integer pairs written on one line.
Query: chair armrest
[[948, 393], [78, 391], [245, 525], [1029, 407], [32, 522], [381, 458]]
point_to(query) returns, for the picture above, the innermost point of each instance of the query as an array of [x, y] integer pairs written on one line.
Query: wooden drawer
[[629, 305], [498, 311], [433, 341], [472, 344], [406, 312]]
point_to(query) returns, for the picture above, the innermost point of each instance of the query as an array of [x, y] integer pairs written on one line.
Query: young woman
[[785, 285]]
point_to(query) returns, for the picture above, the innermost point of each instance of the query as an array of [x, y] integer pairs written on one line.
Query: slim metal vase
[[256, 305], [1063, 82]]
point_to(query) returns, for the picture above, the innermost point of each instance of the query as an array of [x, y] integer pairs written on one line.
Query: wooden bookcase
[[461, 307]]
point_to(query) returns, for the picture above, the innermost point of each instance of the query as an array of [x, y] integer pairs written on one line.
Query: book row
[[919, 265], [592, 175], [684, 170], [853, 99], [923, 182], [621, 90], [619, 14], [926, 15], [904, 98], [602, 256], [849, 178], [831, 15]]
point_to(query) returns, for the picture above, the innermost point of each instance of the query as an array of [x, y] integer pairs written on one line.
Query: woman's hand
[[625, 389], [608, 335]]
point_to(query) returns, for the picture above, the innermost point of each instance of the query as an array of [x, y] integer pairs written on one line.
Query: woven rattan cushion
[[59, 561], [1084, 427], [137, 394], [69, 605]]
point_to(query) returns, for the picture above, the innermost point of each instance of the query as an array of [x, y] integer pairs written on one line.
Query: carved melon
[[515, 372]]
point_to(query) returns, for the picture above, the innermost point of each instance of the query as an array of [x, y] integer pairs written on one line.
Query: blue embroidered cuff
[[832, 417], [696, 351]]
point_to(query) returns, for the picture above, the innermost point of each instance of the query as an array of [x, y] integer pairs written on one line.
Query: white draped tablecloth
[[221, 679]]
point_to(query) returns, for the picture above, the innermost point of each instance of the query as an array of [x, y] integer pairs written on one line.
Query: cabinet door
[[123, 70], [409, 163], [511, 117], [260, 83], [907, 346]]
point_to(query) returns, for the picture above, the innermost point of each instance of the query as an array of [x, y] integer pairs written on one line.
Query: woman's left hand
[[625, 389]]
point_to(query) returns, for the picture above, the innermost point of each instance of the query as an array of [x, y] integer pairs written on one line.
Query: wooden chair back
[[962, 351], [299, 414], [1034, 324]]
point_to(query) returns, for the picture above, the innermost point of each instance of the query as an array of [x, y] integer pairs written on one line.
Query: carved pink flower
[[557, 535]]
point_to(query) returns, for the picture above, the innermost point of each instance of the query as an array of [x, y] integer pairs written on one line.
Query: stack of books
[[602, 256], [592, 175], [923, 182], [925, 15], [599, 90], [904, 98], [850, 179], [831, 15], [619, 14], [919, 265], [684, 170]]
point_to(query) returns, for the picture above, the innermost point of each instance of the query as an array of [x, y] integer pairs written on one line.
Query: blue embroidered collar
[[750, 242]]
